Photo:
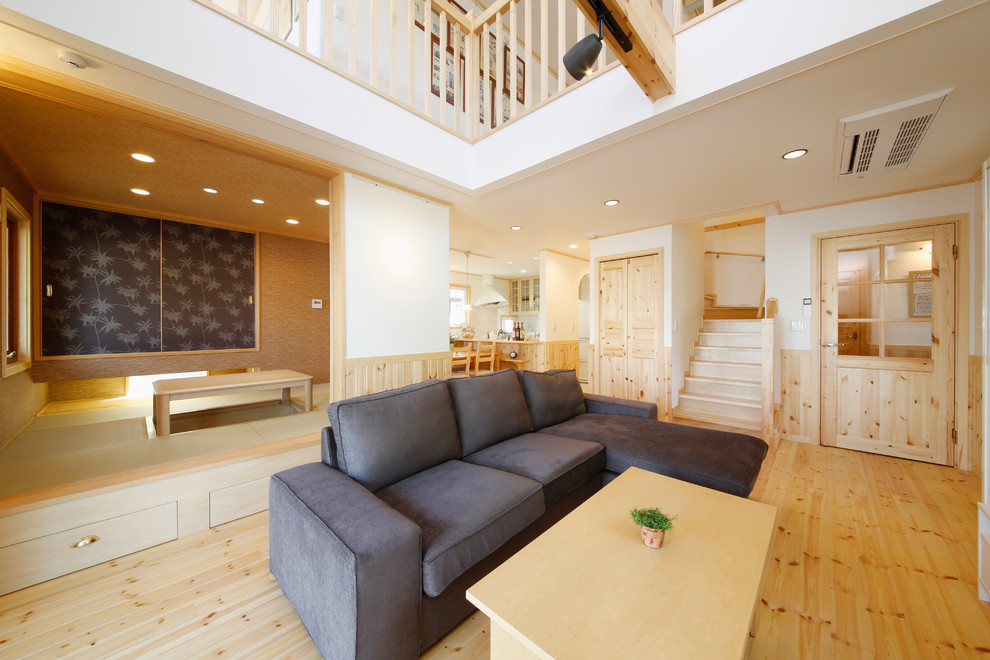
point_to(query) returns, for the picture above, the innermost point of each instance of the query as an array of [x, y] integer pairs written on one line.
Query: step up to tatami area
[[723, 383]]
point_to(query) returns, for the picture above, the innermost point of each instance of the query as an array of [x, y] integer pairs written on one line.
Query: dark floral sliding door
[[118, 283]]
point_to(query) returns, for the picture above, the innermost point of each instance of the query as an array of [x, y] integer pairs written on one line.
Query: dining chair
[[486, 352]]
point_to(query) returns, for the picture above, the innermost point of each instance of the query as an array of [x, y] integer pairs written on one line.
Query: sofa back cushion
[[552, 396], [489, 409], [385, 437]]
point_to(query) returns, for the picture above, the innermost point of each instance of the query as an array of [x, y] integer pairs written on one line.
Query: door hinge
[[955, 436], [955, 251]]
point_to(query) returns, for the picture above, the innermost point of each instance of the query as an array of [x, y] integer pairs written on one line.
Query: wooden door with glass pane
[[888, 342]]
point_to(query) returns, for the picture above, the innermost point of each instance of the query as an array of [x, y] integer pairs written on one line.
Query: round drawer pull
[[86, 540]]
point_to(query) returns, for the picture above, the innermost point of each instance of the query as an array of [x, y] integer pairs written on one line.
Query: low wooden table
[[589, 588], [176, 389]]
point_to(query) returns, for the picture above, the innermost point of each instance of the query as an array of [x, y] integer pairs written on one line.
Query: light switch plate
[[317, 303], [799, 326]]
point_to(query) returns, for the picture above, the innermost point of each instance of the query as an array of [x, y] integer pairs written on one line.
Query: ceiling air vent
[[884, 141]]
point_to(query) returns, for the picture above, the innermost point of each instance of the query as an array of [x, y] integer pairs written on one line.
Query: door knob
[[829, 344]]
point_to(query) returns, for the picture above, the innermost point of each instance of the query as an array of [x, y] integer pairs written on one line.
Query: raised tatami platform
[[77, 441]]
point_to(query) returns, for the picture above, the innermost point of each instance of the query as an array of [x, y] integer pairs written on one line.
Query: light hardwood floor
[[872, 556]]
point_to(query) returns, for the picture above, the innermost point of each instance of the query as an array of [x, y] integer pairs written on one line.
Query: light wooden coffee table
[[589, 588]]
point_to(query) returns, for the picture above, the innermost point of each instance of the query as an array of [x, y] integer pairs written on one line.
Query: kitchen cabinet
[[524, 295]]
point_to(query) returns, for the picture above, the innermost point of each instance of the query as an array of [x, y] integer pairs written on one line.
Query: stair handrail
[[770, 308]]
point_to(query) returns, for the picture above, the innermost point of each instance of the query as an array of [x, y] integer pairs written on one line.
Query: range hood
[[489, 297]]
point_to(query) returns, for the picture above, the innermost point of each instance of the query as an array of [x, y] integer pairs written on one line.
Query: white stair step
[[716, 419], [725, 370], [722, 406], [733, 325], [727, 354], [739, 389], [747, 339]]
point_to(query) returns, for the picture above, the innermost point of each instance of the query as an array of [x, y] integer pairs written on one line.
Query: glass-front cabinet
[[525, 295]]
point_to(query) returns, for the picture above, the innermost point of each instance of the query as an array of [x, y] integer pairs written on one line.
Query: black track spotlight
[[582, 55]]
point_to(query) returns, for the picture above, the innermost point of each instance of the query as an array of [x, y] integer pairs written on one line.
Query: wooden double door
[[630, 329], [887, 351]]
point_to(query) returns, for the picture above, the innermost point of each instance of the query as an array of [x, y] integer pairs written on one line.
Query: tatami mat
[[113, 437]]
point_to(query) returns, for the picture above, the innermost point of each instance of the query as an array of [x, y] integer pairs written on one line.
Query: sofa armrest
[[610, 405], [348, 562]]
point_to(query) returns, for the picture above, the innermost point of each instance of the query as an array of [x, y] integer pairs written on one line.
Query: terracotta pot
[[652, 538]]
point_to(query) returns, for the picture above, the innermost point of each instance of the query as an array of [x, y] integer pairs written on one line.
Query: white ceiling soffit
[[884, 141]]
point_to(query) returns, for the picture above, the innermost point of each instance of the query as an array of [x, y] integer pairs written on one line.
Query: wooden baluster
[[485, 74], [303, 25], [427, 54], [352, 51], [393, 40], [443, 67], [499, 70], [328, 31], [561, 44], [374, 44], [527, 55], [455, 34], [544, 51], [511, 64], [471, 79], [411, 31]]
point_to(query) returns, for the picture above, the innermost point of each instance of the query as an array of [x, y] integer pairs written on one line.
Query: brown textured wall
[[293, 335], [20, 397]]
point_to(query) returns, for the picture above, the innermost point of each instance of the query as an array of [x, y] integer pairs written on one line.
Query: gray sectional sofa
[[425, 489]]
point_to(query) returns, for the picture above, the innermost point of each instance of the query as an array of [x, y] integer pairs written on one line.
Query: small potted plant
[[654, 524]]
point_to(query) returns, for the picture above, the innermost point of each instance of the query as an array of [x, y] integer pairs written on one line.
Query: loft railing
[[465, 67], [683, 14]]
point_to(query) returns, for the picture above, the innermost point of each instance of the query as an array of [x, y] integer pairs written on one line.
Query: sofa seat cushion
[[382, 438], [552, 396], [560, 464], [465, 512], [729, 462], [489, 409]]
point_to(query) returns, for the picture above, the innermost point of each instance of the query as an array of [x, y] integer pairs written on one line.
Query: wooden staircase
[[724, 381]]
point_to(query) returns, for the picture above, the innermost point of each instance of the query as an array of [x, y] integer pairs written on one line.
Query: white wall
[[636, 241], [396, 271], [733, 279], [687, 297], [560, 279]]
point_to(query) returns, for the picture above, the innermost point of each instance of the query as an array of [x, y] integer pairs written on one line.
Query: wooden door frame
[[664, 364], [960, 224]]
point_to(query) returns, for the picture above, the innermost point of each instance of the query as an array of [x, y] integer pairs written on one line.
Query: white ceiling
[[713, 162], [728, 156]]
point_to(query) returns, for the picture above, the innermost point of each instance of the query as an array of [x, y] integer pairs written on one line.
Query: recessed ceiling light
[[258, 201], [611, 202], [797, 153], [292, 221], [144, 158], [572, 245], [323, 202], [523, 270], [515, 227], [140, 191], [212, 191], [509, 262], [536, 258]]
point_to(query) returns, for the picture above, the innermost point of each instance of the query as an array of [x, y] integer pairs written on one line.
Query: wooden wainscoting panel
[[559, 355], [969, 454], [795, 395], [387, 372]]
